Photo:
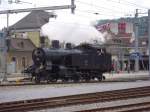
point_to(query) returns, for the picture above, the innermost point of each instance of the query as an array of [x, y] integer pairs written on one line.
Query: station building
[[24, 36], [120, 38]]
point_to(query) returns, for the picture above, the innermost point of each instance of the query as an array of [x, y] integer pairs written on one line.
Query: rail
[[137, 107], [43, 103]]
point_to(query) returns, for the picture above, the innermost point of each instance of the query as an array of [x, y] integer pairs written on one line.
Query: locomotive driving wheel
[[49, 79], [101, 77], [76, 78], [65, 79], [37, 79]]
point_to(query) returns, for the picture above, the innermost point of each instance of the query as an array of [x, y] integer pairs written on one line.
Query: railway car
[[83, 62]]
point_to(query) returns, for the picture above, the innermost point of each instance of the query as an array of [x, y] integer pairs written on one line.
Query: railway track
[[137, 107], [43, 103]]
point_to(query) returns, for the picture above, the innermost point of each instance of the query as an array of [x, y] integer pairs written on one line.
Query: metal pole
[[122, 59], [149, 37], [5, 51], [136, 42], [7, 20], [73, 6], [39, 8]]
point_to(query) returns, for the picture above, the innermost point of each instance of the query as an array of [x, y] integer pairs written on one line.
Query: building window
[[22, 45], [13, 59], [23, 62], [122, 27], [117, 41], [15, 64]]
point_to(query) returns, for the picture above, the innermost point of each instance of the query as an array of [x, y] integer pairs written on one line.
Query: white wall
[[114, 27]]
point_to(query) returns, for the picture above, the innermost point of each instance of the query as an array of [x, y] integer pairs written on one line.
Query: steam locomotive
[[82, 62]]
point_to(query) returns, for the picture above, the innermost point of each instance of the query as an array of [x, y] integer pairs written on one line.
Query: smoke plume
[[74, 31]]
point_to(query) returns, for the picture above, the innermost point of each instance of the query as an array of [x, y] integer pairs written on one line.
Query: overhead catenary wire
[[101, 7], [83, 26], [134, 4], [124, 2], [95, 12], [87, 16], [82, 16]]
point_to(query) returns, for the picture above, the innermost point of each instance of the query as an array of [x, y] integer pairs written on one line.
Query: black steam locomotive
[[83, 62]]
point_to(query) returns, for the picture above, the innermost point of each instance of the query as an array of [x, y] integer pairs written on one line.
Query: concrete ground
[[16, 93], [14, 77], [124, 75], [121, 76]]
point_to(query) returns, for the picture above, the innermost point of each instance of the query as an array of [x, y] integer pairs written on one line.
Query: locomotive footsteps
[[84, 62]]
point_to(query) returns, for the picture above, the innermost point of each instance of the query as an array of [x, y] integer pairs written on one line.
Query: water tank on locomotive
[[83, 62]]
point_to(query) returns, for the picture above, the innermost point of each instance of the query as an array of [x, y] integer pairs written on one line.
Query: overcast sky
[[86, 11]]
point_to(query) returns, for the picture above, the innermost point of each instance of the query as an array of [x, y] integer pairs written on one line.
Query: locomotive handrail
[[56, 63]]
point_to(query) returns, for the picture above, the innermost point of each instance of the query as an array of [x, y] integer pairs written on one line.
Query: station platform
[[120, 76]]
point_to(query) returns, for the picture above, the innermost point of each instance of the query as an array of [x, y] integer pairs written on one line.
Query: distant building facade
[[123, 30], [19, 54], [120, 38], [25, 35], [2, 52], [30, 26]]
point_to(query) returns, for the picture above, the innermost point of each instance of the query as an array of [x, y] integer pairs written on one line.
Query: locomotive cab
[[83, 62]]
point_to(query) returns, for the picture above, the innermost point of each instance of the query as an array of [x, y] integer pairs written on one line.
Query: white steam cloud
[[74, 31]]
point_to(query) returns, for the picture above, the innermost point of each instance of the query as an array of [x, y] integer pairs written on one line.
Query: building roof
[[126, 19], [20, 44], [34, 20]]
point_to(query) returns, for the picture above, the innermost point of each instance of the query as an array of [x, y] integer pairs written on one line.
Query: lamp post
[[6, 50], [149, 37], [136, 41]]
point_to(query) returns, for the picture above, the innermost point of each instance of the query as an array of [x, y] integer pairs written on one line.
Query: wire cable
[[93, 12], [124, 2], [100, 7]]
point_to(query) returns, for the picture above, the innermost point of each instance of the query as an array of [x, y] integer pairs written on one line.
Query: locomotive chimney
[[68, 46], [55, 44], [42, 41]]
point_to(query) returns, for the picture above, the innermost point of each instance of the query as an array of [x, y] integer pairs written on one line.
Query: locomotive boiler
[[83, 62]]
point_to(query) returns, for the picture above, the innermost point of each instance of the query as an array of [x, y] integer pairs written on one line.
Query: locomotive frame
[[83, 62]]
